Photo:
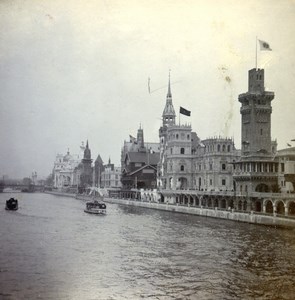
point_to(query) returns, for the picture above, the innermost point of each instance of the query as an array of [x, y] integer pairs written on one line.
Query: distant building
[[139, 163], [111, 176], [98, 169], [84, 171], [64, 170]]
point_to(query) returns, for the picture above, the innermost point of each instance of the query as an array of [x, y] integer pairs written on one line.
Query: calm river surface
[[51, 249]]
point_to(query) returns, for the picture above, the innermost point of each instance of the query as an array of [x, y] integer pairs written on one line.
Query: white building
[[111, 176], [64, 174]]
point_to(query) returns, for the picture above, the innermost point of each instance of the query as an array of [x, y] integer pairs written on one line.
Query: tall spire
[[87, 152], [169, 95], [169, 113]]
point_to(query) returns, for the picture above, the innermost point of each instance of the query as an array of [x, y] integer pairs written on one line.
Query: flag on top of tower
[[264, 45], [184, 111]]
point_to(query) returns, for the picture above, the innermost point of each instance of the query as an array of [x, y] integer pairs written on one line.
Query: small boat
[[95, 207], [11, 204]]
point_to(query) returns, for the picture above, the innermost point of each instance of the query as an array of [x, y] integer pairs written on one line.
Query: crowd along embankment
[[231, 215], [249, 217]]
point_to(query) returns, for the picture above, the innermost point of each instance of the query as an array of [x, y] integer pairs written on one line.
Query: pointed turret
[[87, 152], [169, 95], [168, 115], [140, 139]]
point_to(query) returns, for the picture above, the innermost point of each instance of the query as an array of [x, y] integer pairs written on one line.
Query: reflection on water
[[51, 249]]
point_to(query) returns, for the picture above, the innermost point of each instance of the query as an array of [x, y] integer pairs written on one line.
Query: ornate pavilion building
[[212, 173], [187, 163]]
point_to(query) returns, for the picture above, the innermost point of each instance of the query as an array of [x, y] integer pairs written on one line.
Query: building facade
[[187, 162], [111, 176], [257, 169], [286, 170], [64, 174], [139, 163]]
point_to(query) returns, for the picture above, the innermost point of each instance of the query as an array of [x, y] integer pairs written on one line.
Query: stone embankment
[[63, 194], [213, 213], [231, 215]]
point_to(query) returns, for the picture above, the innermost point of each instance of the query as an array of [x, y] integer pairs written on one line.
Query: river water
[[51, 249]]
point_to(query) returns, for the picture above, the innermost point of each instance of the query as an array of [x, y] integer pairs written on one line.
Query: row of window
[[109, 176], [176, 136], [261, 167], [182, 151], [220, 148], [223, 167]]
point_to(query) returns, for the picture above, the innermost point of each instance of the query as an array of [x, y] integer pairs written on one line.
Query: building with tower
[[85, 169], [257, 169], [212, 173], [64, 169], [139, 162], [189, 163]]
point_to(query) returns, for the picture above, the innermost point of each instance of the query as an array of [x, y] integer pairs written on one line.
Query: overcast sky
[[76, 70]]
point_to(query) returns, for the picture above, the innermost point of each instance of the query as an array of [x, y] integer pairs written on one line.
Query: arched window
[[223, 148], [188, 137], [181, 150], [181, 168], [228, 148], [177, 136], [218, 148]]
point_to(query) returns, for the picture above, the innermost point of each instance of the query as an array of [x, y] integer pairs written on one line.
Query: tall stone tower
[[86, 176], [168, 119], [256, 170], [256, 116]]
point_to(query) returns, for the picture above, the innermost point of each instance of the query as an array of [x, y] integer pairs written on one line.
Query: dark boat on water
[[95, 207], [11, 204]]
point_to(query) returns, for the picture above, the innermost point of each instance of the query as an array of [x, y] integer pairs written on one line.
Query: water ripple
[[51, 249]]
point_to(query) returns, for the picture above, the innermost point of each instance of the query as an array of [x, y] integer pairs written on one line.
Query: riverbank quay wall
[[231, 215], [58, 193]]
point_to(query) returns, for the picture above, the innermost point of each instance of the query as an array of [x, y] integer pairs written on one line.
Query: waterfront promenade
[[231, 215]]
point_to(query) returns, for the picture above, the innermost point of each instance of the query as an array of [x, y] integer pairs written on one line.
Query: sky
[[73, 70]]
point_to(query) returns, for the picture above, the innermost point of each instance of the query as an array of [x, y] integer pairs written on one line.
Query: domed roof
[[68, 156]]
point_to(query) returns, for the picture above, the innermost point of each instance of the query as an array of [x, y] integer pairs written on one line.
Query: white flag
[[264, 45]]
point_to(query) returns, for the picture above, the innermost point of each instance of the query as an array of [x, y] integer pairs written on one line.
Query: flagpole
[[179, 118], [256, 52]]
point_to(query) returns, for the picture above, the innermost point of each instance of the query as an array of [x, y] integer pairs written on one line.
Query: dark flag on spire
[[184, 111]]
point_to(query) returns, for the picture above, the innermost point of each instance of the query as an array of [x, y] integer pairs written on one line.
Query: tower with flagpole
[[256, 170]]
